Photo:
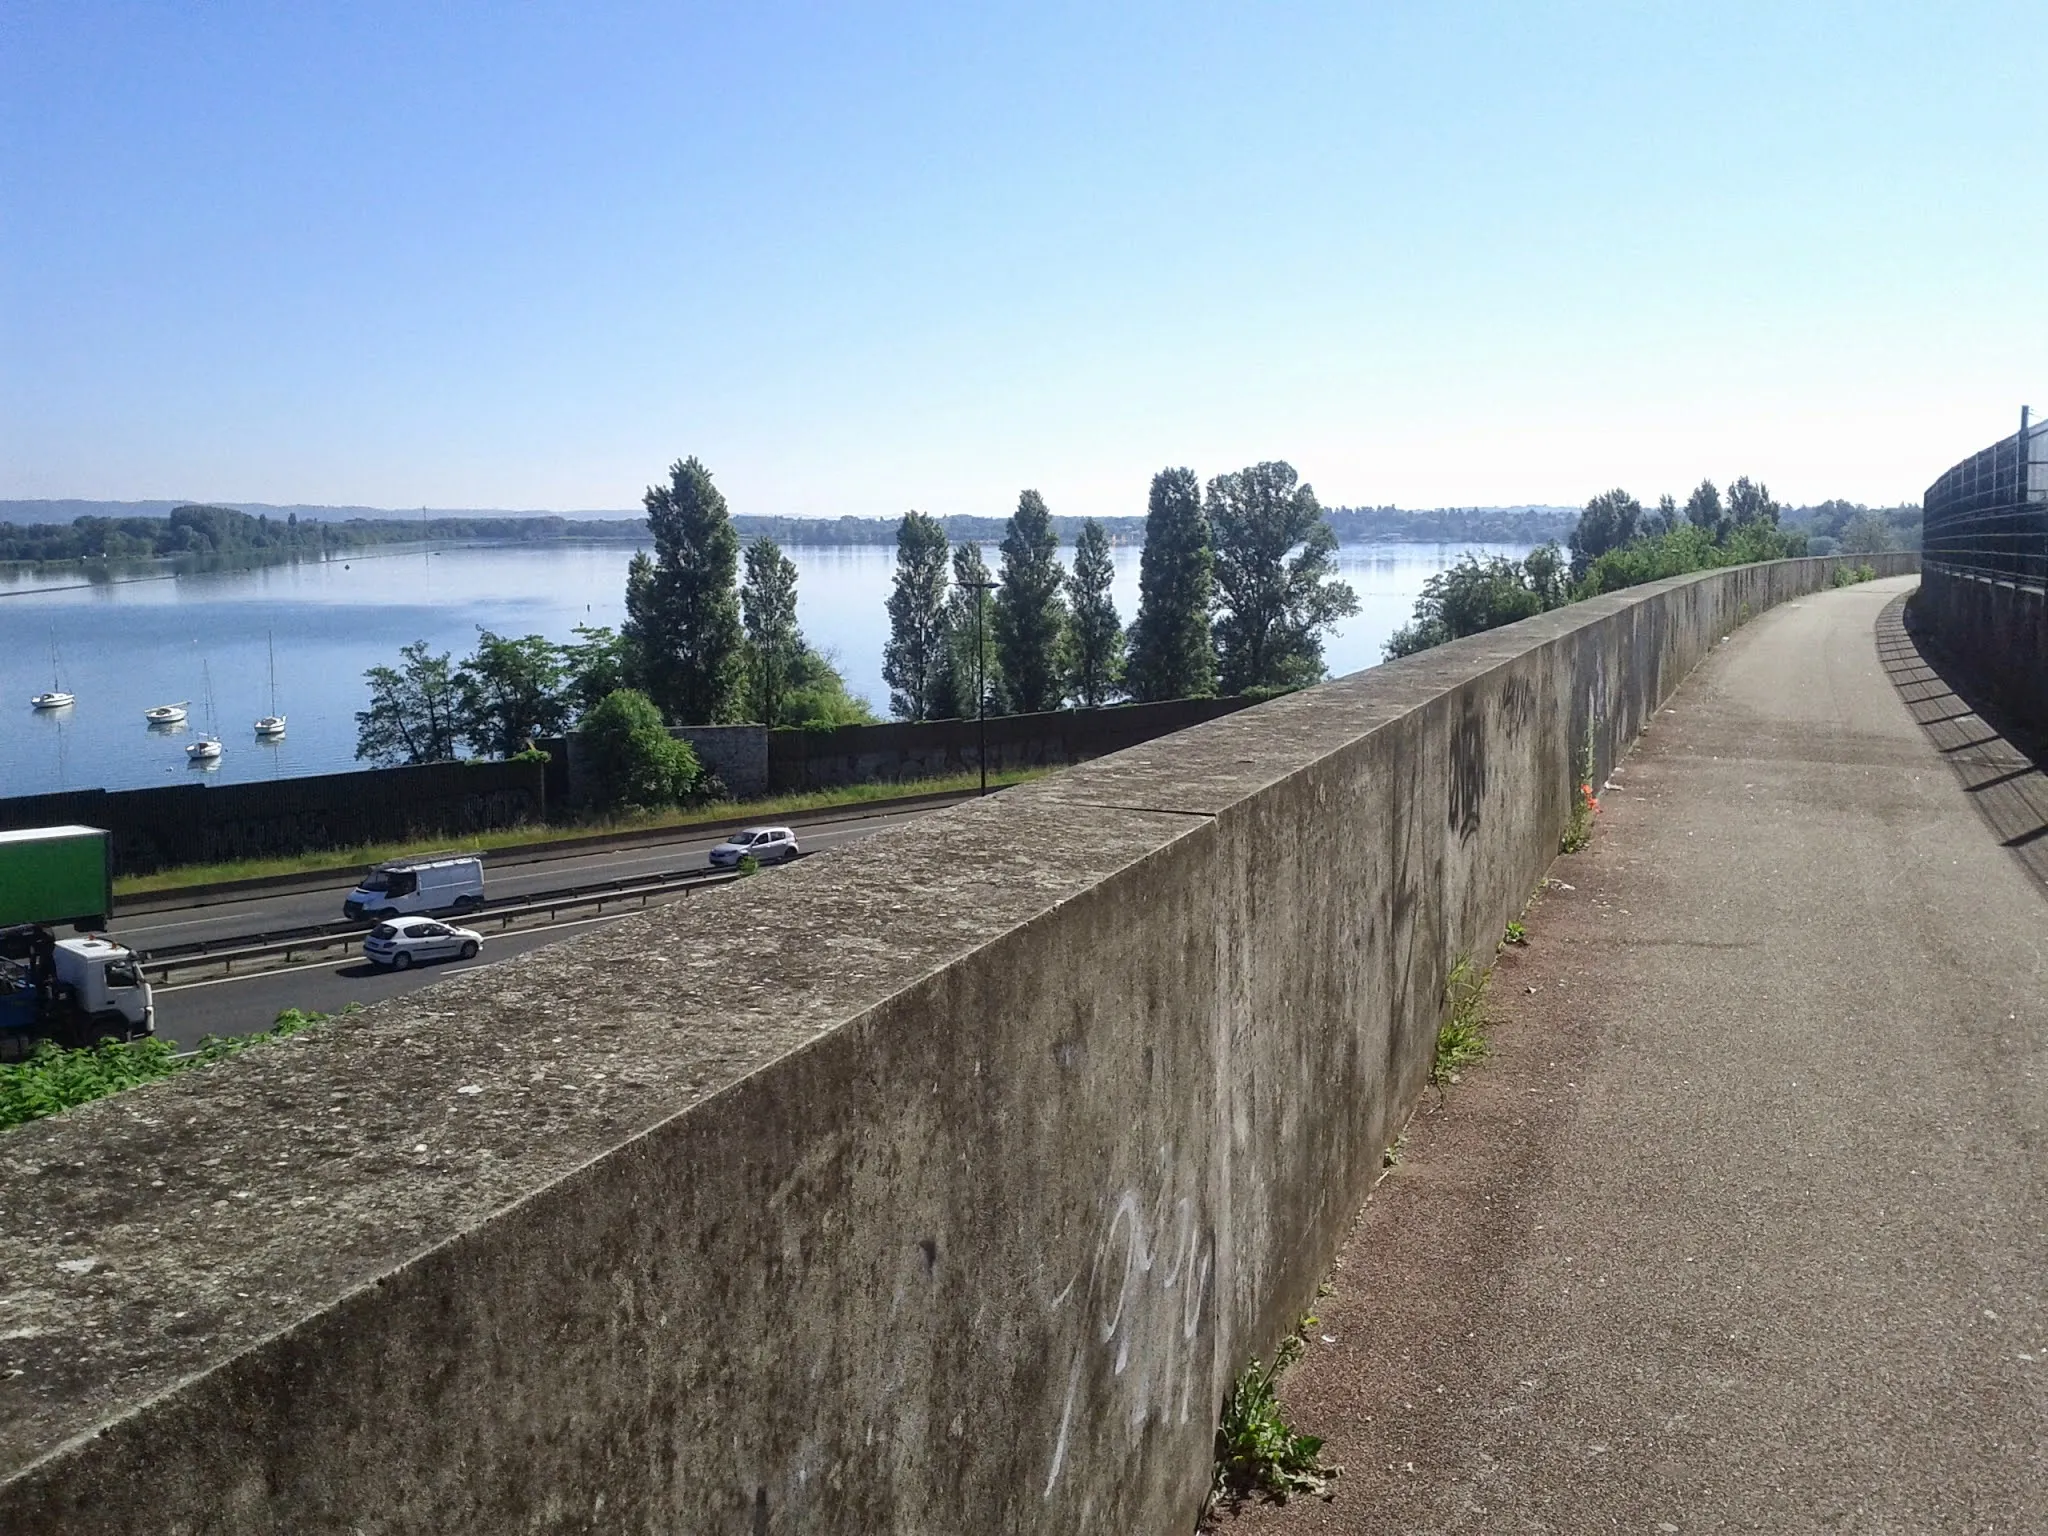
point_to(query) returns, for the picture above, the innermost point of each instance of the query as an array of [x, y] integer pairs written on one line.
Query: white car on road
[[404, 941], [766, 845]]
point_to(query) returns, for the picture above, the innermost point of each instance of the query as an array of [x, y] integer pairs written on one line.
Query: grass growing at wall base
[[1257, 1451], [717, 813], [54, 1079], [1461, 1038]]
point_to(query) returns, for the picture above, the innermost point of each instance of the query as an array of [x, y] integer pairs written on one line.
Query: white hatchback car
[[766, 845], [404, 941]]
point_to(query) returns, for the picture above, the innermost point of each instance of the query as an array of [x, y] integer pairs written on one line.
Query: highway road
[[248, 1004]]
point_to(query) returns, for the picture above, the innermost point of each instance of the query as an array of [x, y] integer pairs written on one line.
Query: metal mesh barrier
[[1988, 516]]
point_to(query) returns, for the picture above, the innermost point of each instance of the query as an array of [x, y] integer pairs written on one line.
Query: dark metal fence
[[1988, 516]]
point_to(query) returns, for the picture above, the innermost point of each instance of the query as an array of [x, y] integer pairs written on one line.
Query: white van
[[443, 883]]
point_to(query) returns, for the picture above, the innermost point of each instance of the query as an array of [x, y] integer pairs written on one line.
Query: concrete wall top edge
[[219, 1207]]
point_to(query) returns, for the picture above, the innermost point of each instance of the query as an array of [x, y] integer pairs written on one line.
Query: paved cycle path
[[1744, 1225]]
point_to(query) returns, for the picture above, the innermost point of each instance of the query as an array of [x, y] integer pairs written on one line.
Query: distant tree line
[[209, 531], [1615, 543], [1236, 593]]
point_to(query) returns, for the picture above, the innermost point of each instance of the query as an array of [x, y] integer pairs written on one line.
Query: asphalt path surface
[[1740, 1225], [248, 1003]]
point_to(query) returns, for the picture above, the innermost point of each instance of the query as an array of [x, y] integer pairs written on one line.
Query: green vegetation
[[350, 861], [1095, 635], [1615, 544], [55, 1079], [1257, 1451], [1516, 934], [1475, 595], [634, 763], [1847, 576], [914, 661], [1173, 654], [209, 532], [1030, 611], [1578, 831], [1275, 606], [683, 635], [970, 621], [1461, 1038]]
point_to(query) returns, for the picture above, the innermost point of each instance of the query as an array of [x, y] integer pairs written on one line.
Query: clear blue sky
[[861, 259]]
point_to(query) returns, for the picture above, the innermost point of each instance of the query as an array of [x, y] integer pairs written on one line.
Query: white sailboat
[[167, 714], [207, 749], [271, 726], [56, 697]]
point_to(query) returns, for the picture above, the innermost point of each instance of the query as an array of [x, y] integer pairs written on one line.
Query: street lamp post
[[981, 589]]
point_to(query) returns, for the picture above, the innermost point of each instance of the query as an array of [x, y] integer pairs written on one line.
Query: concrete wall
[[195, 823], [738, 754], [1998, 630], [939, 1183], [865, 754]]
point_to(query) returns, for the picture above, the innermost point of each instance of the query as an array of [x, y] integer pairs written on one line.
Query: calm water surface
[[123, 647]]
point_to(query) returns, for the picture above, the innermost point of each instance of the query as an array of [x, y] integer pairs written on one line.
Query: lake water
[[122, 647]]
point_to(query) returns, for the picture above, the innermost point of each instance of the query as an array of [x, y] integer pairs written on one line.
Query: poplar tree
[[1030, 614], [914, 660], [1276, 607], [682, 614], [1095, 636], [971, 612], [768, 615], [1172, 653]]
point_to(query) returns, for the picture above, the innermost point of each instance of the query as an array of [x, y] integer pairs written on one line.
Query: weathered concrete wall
[[197, 823], [866, 754], [939, 1183], [1998, 630], [738, 754]]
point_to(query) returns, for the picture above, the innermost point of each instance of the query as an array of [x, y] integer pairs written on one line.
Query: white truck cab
[[444, 883], [105, 983]]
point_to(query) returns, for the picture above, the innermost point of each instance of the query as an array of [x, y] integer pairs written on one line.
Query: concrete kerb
[[948, 1178]]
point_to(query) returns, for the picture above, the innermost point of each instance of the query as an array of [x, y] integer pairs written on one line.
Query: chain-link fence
[[1988, 516]]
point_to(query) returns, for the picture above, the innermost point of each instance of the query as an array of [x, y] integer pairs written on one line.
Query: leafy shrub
[[633, 761]]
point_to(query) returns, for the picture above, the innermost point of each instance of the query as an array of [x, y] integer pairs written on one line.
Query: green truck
[[74, 991]]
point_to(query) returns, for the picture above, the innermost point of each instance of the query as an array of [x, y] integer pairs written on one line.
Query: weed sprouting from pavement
[[1460, 1039], [1578, 832], [1258, 1453]]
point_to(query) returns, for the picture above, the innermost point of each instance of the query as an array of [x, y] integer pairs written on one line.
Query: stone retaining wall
[[942, 1182]]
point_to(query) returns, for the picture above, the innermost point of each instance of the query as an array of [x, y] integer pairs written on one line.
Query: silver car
[[765, 845], [404, 941]]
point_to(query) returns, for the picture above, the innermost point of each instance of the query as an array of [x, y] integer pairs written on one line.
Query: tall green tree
[[1664, 519], [415, 713], [768, 614], [971, 621], [596, 665], [1031, 615], [914, 659], [1750, 503], [1704, 511], [1095, 636], [1173, 654], [1609, 521], [1276, 607], [512, 691], [682, 614]]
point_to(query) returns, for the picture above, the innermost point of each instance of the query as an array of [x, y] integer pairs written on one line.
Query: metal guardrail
[[324, 936]]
